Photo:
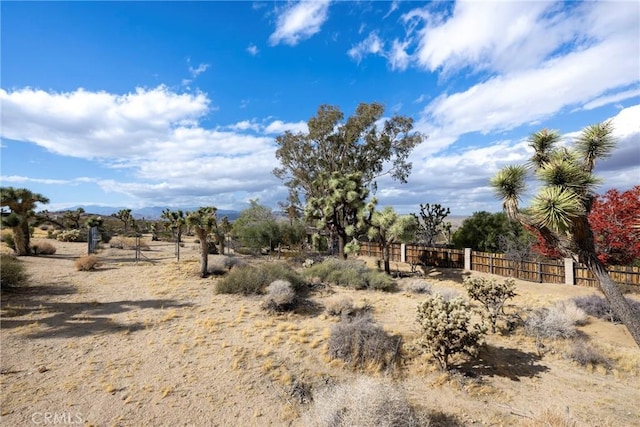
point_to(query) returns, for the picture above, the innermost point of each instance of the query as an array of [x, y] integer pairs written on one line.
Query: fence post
[[403, 252], [491, 262], [467, 259], [569, 273]]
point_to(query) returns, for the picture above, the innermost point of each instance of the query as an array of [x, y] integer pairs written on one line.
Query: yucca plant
[[560, 209]]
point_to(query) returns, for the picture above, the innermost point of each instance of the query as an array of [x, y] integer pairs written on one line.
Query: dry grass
[[87, 263]]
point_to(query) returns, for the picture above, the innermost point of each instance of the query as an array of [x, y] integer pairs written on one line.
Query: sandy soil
[[149, 343]]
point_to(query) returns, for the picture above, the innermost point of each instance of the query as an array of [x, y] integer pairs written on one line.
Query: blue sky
[[178, 104]]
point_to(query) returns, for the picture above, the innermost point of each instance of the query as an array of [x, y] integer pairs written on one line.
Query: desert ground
[[149, 343]]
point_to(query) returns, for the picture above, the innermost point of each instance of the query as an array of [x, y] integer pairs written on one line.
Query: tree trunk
[[342, 241], [619, 303], [385, 257], [204, 252], [21, 239]]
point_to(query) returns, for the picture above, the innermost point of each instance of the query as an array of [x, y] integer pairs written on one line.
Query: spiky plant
[[22, 203], [561, 207]]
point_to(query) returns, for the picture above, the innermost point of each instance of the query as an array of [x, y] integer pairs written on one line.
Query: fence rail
[[549, 271]]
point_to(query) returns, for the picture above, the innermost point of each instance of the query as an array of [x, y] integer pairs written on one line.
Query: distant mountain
[[150, 213]]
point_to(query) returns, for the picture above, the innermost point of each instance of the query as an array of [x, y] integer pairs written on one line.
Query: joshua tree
[[204, 223], [388, 227], [22, 203], [124, 215], [560, 209]]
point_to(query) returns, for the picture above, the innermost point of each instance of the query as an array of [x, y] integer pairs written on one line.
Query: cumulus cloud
[[253, 49], [299, 21], [152, 134]]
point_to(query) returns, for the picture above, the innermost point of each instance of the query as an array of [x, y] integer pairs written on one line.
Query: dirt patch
[[150, 343]]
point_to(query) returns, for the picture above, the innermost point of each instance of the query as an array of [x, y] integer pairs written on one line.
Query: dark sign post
[[94, 238]]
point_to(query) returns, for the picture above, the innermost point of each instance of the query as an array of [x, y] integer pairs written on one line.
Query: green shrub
[[363, 344], [42, 247], [446, 328], [351, 274], [366, 402], [7, 238], [12, 272], [492, 295], [254, 279], [69, 236]]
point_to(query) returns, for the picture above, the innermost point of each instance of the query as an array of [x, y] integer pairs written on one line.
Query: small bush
[[339, 306], [44, 227], [279, 297], [599, 307], [254, 279], [363, 344], [222, 264], [68, 236], [366, 402], [43, 248], [446, 328], [351, 274], [491, 295], [7, 238], [419, 286], [13, 273], [448, 294], [585, 354], [556, 322], [87, 263]]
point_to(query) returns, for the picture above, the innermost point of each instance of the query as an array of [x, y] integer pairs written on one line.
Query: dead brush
[[364, 345], [366, 402], [279, 297], [42, 247], [87, 263]]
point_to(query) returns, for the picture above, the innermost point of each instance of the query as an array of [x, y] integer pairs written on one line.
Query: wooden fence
[[549, 271]]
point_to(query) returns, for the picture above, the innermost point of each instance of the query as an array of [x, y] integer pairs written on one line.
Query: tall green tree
[[359, 150], [177, 222], [204, 223], [561, 207], [256, 227], [21, 203], [388, 227], [482, 231]]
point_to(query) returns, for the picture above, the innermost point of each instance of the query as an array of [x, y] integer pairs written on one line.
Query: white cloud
[[195, 72], [299, 21], [398, 57], [253, 49], [371, 45], [278, 127], [152, 134], [611, 99], [505, 102]]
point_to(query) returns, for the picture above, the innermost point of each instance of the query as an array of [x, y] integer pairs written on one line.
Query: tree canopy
[[332, 169], [21, 203]]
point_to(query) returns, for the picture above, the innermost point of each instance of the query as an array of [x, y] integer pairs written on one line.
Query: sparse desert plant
[[584, 353], [363, 344], [448, 293], [551, 418], [279, 296], [447, 329], [365, 402], [42, 247], [597, 306], [13, 272], [351, 274], [492, 295], [556, 322], [419, 286], [254, 279], [69, 235], [221, 264], [87, 263], [6, 236], [339, 306]]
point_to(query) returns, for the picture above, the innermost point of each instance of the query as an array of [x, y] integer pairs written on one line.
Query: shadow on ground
[[504, 362], [26, 307]]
